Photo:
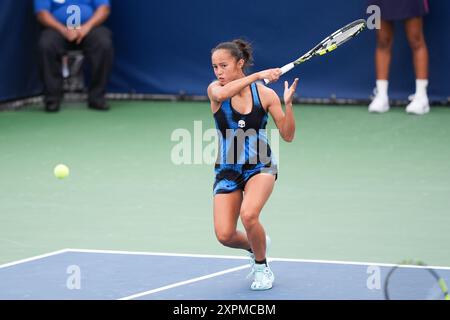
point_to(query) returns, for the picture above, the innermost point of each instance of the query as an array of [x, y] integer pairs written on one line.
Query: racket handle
[[287, 67], [284, 69]]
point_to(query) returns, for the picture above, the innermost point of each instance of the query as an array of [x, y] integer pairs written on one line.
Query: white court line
[[144, 253], [32, 258], [210, 256], [182, 283], [358, 263], [246, 258]]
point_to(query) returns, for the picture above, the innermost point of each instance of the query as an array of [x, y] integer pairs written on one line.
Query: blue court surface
[[105, 275]]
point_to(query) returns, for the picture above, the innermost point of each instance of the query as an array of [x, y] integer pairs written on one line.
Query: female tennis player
[[246, 169]]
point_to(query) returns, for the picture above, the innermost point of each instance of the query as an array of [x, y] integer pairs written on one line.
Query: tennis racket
[[328, 44], [414, 280]]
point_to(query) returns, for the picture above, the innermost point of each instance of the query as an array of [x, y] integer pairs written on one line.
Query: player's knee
[[416, 42], [249, 218], [224, 236], [384, 43]]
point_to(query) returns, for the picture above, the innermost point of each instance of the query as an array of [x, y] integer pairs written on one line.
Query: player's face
[[226, 67]]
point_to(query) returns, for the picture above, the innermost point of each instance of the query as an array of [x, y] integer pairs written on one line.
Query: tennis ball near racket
[[61, 171]]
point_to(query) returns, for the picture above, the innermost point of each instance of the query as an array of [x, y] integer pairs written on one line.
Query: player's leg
[[256, 192], [383, 53], [226, 213], [416, 39]]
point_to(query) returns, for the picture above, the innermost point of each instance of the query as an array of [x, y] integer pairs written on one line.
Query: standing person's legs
[[52, 46], [414, 32], [383, 53], [98, 48], [416, 39]]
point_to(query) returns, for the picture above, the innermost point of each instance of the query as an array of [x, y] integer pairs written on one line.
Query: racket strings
[[413, 284], [344, 35]]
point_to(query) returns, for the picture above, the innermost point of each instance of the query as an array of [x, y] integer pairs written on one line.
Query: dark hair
[[238, 48]]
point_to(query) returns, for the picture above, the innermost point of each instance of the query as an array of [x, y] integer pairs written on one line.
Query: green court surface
[[352, 186]]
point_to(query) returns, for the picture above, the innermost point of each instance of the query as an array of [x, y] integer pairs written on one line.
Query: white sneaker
[[419, 105], [379, 104], [252, 257], [264, 277]]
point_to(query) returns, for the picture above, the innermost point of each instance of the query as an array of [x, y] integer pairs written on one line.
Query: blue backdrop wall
[[163, 46]]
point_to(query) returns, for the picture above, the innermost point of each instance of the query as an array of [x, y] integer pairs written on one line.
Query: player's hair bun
[[238, 48], [246, 50]]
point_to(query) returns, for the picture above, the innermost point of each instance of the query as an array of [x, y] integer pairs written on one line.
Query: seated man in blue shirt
[[60, 34]]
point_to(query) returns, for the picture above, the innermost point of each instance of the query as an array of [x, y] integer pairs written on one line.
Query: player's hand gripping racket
[[328, 44], [413, 280]]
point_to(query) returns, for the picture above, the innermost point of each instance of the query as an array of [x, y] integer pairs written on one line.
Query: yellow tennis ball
[[61, 171]]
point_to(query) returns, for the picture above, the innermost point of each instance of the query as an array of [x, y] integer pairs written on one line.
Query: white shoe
[[251, 255], [419, 105], [379, 104], [264, 277]]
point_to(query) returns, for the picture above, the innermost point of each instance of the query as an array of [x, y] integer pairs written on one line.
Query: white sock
[[421, 87], [382, 87]]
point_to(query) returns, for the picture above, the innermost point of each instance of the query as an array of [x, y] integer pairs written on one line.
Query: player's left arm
[[284, 120]]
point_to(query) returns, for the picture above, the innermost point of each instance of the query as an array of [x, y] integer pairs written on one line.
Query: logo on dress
[[241, 123]]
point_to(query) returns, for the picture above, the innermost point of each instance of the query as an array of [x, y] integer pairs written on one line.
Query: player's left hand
[[289, 91]]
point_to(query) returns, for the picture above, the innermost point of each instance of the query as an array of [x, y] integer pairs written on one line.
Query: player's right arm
[[220, 93], [215, 104]]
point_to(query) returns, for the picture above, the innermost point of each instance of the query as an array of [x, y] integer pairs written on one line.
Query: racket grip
[[287, 67], [284, 69]]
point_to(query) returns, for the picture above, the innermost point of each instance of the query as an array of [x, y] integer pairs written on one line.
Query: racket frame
[[441, 282], [320, 50]]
